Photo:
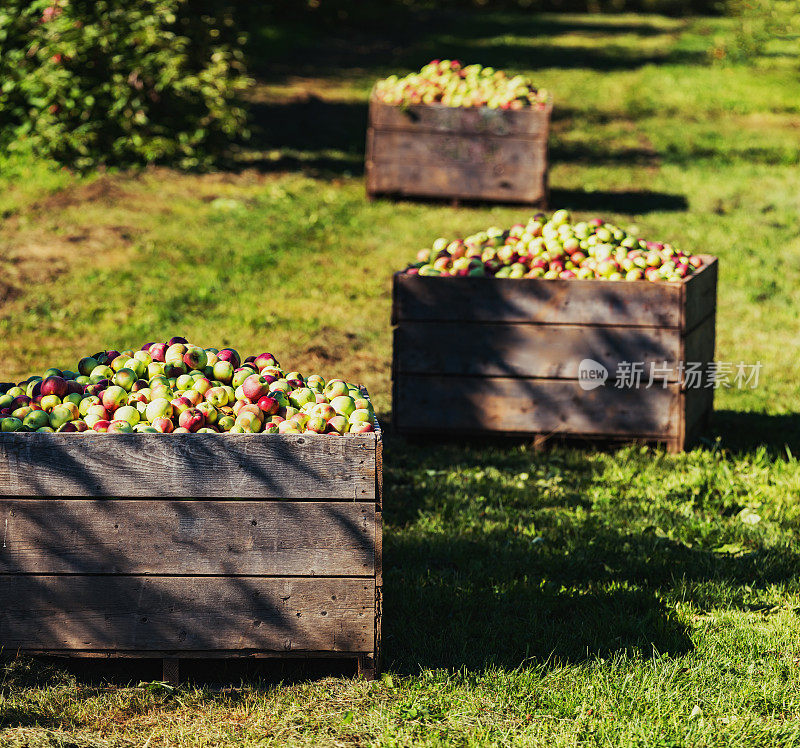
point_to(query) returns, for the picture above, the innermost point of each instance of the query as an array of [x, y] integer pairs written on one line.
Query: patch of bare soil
[[40, 259], [106, 190]]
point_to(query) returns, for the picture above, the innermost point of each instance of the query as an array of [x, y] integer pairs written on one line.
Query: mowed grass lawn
[[577, 597]]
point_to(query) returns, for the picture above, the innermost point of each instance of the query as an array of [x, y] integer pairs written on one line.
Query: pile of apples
[[557, 248], [176, 387], [450, 83]]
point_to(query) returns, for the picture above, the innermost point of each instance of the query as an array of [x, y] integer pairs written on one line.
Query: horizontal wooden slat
[[104, 536], [500, 156], [489, 299], [456, 182], [188, 465], [532, 406], [528, 350], [440, 118], [187, 613]]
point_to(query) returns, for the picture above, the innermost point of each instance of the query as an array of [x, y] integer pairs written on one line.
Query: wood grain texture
[[96, 613], [104, 536], [466, 120], [459, 181], [430, 404], [441, 152], [527, 350], [500, 155], [189, 465], [585, 302], [571, 302]]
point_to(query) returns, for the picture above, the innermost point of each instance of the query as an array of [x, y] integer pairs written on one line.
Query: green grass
[[577, 597]]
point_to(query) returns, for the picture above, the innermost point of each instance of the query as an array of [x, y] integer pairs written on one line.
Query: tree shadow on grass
[[308, 134], [409, 38], [487, 593], [747, 432], [634, 202]]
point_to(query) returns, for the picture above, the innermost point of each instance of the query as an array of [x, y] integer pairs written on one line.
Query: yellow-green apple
[[114, 397], [226, 423], [316, 425], [344, 405], [38, 418], [337, 425], [120, 427], [211, 414], [48, 402], [9, 423], [301, 396]]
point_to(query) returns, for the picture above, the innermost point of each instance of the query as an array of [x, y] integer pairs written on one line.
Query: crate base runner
[[278, 553], [365, 664]]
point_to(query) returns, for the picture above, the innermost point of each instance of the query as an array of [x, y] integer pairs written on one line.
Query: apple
[[226, 423], [254, 387], [217, 396], [114, 397], [211, 414], [301, 396], [125, 378], [48, 402], [36, 419], [181, 404], [323, 410], [87, 364], [344, 405], [265, 359], [230, 355], [337, 425], [335, 388], [223, 371], [195, 358], [54, 385], [9, 424], [191, 419], [119, 427], [162, 424], [362, 427]]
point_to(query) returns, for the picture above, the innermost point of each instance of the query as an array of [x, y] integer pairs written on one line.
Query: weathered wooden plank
[[187, 613], [463, 405], [104, 536], [188, 465], [457, 181], [584, 302], [475, 120], [528, 350], [701, 293], [504, 156]]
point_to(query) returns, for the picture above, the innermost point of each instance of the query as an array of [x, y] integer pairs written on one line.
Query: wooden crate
[[471, 153], [191, 545], [502, 356]]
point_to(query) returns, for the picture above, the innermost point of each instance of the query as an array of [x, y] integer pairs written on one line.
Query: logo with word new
[[591, 374]]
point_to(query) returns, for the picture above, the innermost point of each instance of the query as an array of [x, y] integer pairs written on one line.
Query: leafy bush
[[96, 81]]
